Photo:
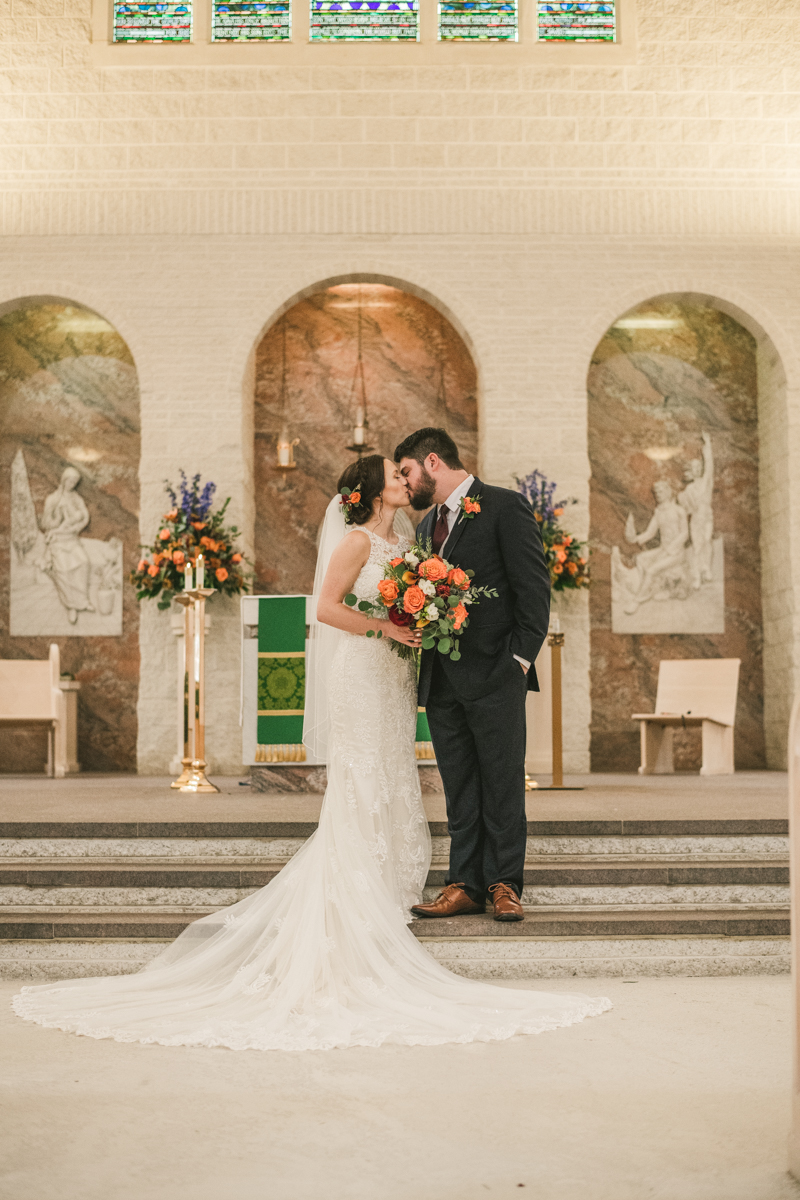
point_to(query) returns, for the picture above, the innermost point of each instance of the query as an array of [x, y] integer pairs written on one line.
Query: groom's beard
[[422, 496]]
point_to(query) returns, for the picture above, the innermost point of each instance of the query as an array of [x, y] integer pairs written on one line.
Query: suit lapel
[[458, 529]]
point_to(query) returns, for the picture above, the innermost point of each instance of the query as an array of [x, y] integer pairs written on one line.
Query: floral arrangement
[[187, 531], [565, 555], [347, 499], [422, 589], [469, 507]]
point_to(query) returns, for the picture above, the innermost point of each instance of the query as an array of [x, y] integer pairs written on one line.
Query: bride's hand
[[402, 633]]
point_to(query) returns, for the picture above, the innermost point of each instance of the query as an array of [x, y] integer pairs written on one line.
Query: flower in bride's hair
[[400, 618], [433, 569], [395, 562], [355, 497], [414, 599], [388, 590]]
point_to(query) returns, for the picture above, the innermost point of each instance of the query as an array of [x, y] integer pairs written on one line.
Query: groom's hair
[[430, 441]]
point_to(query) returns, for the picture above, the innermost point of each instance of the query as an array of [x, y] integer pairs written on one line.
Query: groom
[[476, 705]]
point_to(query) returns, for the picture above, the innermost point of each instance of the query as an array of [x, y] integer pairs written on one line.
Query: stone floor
[[745, 795], [680, 1093]]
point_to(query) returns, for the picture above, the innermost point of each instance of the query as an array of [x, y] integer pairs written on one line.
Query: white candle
[[358, 435], [556, 623], [201, 571], [284, 450], [187, 577]]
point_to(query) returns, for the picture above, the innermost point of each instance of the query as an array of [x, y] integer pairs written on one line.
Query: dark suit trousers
[[480, 750]]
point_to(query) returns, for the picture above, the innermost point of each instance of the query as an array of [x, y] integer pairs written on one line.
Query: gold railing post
[[555, 642]]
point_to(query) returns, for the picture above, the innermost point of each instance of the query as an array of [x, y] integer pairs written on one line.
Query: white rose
[[432, 612], [411, 558], [427, 587]]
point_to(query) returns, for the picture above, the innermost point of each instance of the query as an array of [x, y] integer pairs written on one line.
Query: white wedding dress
[[322, 956]]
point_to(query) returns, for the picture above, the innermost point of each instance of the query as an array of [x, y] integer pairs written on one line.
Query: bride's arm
[[343, 570]]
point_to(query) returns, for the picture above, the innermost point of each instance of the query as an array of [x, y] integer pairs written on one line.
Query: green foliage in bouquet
[[565, 555], [188, 530]]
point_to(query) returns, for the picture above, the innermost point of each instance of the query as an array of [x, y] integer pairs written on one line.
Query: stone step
[[166, 922]]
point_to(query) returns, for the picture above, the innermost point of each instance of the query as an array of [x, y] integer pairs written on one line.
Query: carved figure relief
[[677, 585], [61, 582]]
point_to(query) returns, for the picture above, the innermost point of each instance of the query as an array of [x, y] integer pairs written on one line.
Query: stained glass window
[[595, 22], [257, 21], [478, 20], [152, 22], [364, 20]]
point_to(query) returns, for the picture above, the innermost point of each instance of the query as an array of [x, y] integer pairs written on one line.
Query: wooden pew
[[31, 694]]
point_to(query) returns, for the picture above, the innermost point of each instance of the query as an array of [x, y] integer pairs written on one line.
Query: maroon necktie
[[441, 530]]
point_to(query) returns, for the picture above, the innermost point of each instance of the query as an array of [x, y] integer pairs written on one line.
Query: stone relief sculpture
[[677, 585], [61, 583]]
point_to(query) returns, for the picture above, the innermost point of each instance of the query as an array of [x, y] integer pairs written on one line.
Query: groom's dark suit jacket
[[503, 546]]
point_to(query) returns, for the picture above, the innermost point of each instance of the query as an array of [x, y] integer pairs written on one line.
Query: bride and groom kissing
[[323, 955]]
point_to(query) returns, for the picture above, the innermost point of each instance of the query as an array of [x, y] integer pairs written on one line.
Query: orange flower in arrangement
[[179, 558], [236, 558], [198, 524], [170, 516], [164, 534], [561, 554], [409, 577], [471, 506], [458, 578], [389, 591], [459, 615], [433, 569], [153, 570], [221, 574], [582, 562], [355, 497], [395, 562], [557, 567], [414, 599], [572, 568], [558, 512]]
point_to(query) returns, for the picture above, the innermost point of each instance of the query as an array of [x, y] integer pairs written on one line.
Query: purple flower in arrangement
[[539, 492]]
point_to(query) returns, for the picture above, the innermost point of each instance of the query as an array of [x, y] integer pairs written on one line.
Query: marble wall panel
[[417, 371], [69, 398], [662, 376]]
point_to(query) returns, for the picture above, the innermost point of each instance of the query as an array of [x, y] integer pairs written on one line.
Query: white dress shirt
[[453, 507]]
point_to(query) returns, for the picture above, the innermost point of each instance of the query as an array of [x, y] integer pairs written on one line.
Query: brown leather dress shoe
[[506, 903], [452, 902]]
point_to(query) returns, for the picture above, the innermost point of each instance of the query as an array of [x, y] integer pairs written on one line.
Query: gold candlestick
[[555, 641], [185, 600], [197, 781]]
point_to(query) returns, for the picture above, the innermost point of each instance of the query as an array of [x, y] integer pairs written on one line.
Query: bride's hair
[[367, 477]]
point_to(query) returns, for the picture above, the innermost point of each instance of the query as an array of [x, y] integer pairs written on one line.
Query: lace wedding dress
[[322, 956]]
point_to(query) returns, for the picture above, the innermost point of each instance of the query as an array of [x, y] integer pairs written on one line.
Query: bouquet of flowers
[[564, 554], [422, 589], [188, 530]]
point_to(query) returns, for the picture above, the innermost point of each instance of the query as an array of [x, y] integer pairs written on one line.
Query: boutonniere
[[469, 507]]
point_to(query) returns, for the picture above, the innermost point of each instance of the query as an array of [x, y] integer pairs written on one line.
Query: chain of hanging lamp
[[360, 429]]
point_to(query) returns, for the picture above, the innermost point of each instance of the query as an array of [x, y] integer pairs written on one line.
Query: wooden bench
[[32, 693], [691, 692]]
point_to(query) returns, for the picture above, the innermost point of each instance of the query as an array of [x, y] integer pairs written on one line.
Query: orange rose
[[557, 568], [206, 541], [388, 590], [170, 516], [409, 577], [414, 600], [471, 506], [561, 554], [458, 578], [152, 570], [572, 568], [165, 535], [354, 498], [395, 562], [221, 574], [557, 512], [460, 615], [237, 558], [178, 558], [198, 524], [142, 565], [433, 569]]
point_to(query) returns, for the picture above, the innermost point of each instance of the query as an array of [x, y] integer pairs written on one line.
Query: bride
[[322, 956]]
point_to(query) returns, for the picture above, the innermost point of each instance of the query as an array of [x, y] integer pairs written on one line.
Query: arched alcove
[[668, 372], [69, 531], [417, 371]]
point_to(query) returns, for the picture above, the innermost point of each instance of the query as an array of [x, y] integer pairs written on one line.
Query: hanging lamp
[[286, 444], [358, 396]]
